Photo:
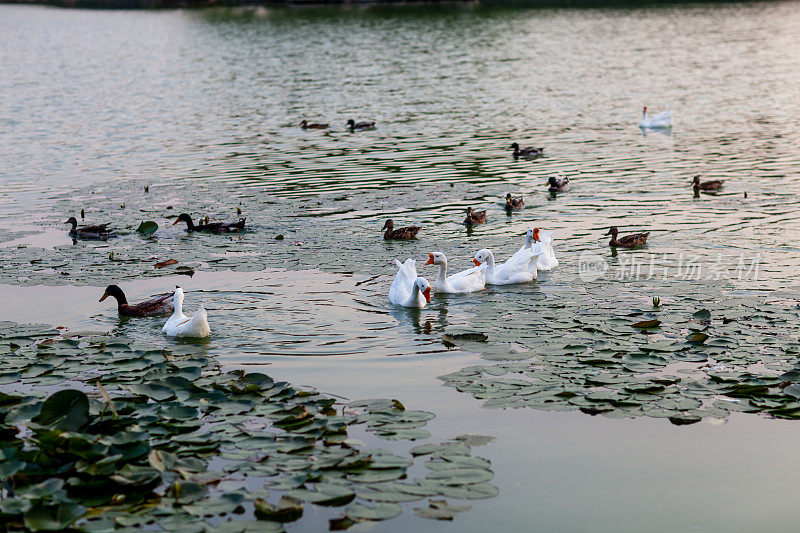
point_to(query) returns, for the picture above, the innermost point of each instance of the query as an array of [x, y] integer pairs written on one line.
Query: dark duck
[[213, 227], [160, 305]]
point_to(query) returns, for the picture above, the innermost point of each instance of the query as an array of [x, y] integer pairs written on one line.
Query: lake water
[[203, 106]]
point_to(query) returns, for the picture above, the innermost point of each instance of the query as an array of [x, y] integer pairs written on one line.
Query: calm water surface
[[205, 106]]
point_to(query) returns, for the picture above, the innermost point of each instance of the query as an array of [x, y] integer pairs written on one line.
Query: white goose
[[181, 326], [470, 280], [662, 120], [519, 268], [547, 260], [408, 289]]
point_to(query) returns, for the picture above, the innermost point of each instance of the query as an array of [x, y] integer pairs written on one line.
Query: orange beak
[[477, 263], [430, 259], [427, 294], [176, 221], [536, 235]]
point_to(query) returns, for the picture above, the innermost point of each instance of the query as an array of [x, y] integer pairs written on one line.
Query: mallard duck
[[157, 306], [474, 217], [558, 185], [181, 326], [359, 126], [628, 241], [466, 281], [399, 234], [514, 204], [662, 120], [313, 125], [408, 289], [712, 185], [213, 227], [527, 153], [98, 232]]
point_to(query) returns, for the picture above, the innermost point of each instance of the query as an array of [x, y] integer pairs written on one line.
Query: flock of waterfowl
[[408, 289]]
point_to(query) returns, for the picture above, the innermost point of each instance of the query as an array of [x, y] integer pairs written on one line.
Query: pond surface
[[203, 107]]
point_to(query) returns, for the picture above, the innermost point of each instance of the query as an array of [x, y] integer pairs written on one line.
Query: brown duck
[[160, 305], [100, 232], [474, 217], [628, 241], [306, 125], [213, 227], [514, 204], [713, 185], [399, 234], [526, 153]]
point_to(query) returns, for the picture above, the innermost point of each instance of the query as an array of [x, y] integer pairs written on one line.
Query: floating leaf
[[646, 324], [147, 228]]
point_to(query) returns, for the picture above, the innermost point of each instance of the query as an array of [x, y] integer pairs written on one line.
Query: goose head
[[422, 285], [644, 112], [351, 123], [437, 258], [73, 221], [483, 256], [552, 181]]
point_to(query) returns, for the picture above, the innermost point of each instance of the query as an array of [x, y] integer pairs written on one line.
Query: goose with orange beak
[[547, 259], [408, 289], [466, 281], [519, 268]]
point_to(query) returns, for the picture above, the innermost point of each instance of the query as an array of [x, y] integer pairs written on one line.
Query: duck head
[[613, 231], [183, 217], [351, 123], [696, 181], [515, 146], [469, 212], [73, 221], [424, 287], [553, 182], [388, 225], [303, 123], [115, 292]]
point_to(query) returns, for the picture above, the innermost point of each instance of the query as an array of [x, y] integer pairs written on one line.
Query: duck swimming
[[159, 305], [399, 234], [313, 125], [98, 232], [712, 185], [183, 327], [628, 241], [214, 227], [354, 126], [514, 204], [558, 185], [466, 281], [408, 289], [527, 153], [474, 217]]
